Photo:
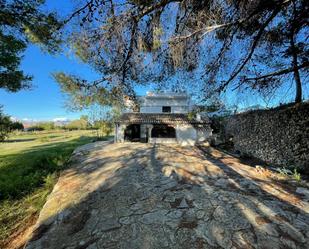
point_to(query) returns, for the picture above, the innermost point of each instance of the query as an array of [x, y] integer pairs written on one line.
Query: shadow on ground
[[21, 173], [144, 196]]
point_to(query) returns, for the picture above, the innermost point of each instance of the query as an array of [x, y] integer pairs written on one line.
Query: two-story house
[[163, 118]]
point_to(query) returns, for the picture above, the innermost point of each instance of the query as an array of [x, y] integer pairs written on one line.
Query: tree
[[46, 126], [102, 119], [79, 124], [17, 126], [22, 22], [5, 125], [237, 44]]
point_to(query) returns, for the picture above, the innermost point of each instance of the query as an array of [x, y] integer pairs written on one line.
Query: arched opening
[[132, 133], [163, 131]]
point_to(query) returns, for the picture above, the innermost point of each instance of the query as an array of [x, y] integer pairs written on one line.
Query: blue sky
[[45, 101]]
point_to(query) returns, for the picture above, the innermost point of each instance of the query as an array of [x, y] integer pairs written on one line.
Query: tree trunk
[[298, 97]]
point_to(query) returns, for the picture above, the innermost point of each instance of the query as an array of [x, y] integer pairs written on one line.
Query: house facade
[[163, 118]]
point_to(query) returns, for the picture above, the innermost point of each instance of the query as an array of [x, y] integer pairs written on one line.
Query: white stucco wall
[[186, 135], [162, 140], [154, 104], [119, 133], [161, 101], [158, 109], [203, 135]]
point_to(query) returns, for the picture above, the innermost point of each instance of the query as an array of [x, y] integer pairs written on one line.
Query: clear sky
[[44, 101]]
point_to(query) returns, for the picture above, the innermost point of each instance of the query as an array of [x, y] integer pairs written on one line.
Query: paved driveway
[[143, 196]]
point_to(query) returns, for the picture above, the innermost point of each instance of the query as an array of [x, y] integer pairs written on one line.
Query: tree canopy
[[22, 22], [208, 44]]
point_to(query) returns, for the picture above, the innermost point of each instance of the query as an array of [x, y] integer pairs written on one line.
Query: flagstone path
[[135, 195]]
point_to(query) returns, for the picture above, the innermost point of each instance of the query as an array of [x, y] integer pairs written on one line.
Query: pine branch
[[278, 73], [252, 49]]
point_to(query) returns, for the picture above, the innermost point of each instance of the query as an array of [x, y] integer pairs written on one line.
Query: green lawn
[[29, 166]]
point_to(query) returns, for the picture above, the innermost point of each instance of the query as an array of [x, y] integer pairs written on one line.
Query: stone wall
[[278, 136]]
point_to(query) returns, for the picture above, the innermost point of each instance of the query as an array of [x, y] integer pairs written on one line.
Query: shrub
[[296, 175], [17, 126], [5, 126], [79, 124], [35, 128]]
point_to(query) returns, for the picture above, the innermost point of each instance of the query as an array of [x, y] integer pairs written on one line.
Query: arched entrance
[[132, 133], [163, 131]]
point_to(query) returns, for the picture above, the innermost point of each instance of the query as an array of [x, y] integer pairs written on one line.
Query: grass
[[29, 167]]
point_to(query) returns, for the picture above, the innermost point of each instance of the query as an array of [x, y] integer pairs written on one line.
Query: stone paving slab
[[134, 195]]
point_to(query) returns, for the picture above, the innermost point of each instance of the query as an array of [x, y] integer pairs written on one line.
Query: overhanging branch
[[252, 49], [278, 73]]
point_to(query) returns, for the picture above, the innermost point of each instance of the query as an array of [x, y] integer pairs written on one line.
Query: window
[[166, 109]]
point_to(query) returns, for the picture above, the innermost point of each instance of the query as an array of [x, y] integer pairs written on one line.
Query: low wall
[[278, 136], [158, 140]]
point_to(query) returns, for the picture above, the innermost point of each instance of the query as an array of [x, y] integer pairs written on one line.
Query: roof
[[160, 118]]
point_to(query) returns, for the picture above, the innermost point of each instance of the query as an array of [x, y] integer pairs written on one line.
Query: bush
[[79, 124], [42, 126], [17, 126], [5, 126], [104, 127], [35, 128]]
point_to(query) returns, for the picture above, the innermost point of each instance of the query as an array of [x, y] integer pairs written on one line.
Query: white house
[[163, 118]]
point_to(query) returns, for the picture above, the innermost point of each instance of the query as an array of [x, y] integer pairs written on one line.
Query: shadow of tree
[[18, 140], [123, 196], [21, 173]]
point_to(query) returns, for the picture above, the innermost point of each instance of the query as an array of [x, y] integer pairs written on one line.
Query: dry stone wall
[[278, 136]]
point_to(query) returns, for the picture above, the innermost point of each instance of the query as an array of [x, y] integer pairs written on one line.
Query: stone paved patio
[[144, 196]]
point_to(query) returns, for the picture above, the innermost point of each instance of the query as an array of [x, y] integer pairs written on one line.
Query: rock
[[207, 188], [200, 214], [244, 239], [136, 206], [175, 214], [169, 185], [288, 243], [293, 232], [217, 235], [125, 220], [82, 242], [222, 183], [170, 198], [109, 224], [157, 217], [303, 191], [270, 229], [265, 241], [183, 204]]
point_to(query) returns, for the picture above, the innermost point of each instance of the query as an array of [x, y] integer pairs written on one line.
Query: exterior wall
[[162, 140], [158, 109], [203, 135], [161, 101], [279, 136], [186, 135], [119, 133], [153, 104]]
